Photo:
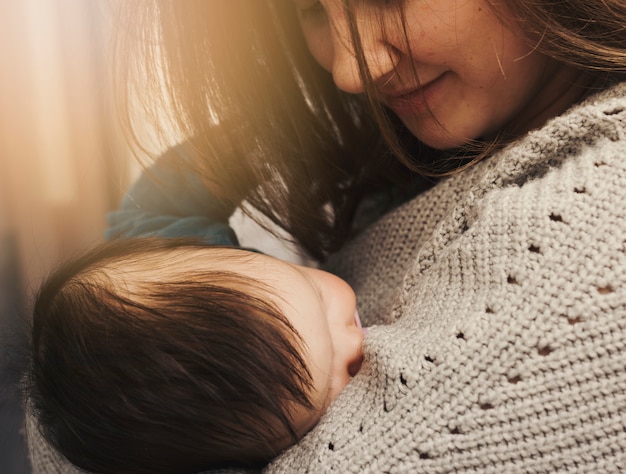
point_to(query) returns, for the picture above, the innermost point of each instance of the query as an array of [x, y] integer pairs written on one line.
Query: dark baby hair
[[172, 375]]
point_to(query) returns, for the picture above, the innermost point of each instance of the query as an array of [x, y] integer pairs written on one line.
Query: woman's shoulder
[[600, 115], [509, 330], [598, 122]]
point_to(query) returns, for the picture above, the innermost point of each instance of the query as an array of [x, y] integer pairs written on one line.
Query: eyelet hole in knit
[[515, 379], [486, 406], [574, 320], [615, 111], [544, 350]]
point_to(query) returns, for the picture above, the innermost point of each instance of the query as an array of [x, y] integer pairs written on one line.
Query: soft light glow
[[49, 102]]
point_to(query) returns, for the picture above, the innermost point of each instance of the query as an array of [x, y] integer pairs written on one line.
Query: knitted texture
[[43, 458], [499, 304], [500, 299]]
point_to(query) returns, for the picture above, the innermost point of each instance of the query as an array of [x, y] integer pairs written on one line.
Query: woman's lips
[[415, 101]]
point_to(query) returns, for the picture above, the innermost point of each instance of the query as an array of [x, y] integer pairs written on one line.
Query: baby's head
[[162, 355]]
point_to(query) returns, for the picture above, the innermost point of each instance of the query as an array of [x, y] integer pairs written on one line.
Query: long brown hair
[[269, 126]]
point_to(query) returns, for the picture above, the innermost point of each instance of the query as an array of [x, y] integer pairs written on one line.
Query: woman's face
[[475, 74]]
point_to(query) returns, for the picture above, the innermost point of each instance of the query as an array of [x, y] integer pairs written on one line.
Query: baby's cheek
[[339, 383], [306, 419]]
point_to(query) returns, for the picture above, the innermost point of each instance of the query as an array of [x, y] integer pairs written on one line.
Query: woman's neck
[[562, 88]]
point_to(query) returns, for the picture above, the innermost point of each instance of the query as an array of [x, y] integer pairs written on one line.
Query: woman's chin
[[435, 135]]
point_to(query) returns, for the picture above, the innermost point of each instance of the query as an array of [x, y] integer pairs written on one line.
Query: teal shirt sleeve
[[168, 202]]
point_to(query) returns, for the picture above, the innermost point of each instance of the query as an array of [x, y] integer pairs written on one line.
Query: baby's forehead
[[186, 263], [164, 270], [182, 258], [223, 259]]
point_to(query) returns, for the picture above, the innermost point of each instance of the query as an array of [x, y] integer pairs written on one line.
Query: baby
[[166, 355]]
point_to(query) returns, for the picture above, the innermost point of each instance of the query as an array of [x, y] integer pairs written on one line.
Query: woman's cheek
[[320, 45]]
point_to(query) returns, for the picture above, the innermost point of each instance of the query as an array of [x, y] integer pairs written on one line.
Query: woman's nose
[[380, 56]]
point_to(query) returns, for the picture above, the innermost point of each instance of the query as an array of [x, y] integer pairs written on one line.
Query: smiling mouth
[[413, 101]]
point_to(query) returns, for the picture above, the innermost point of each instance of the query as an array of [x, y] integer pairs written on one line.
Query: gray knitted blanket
[[500, 304], [498, 300]]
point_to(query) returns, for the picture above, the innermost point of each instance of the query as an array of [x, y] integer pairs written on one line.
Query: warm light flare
[[62, 164]]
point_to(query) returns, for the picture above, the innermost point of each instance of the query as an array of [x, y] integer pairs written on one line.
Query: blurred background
[[63, 164]]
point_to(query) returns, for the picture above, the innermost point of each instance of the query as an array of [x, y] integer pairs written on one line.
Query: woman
[[497, 289]]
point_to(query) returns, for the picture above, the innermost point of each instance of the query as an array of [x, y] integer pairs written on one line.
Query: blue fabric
[[167, 201]]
